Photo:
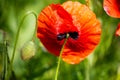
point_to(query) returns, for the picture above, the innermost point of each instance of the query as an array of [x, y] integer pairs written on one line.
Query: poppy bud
[[28, 50]]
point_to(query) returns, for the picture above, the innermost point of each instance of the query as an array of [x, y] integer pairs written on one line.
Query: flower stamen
[[73, 35]]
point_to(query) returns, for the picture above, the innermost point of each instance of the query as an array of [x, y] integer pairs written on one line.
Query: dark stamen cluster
[[73, 35]]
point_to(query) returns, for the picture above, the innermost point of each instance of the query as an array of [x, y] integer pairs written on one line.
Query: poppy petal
[[61, 12], [118, 30], [112, 8], [75, 19], [89, 26]]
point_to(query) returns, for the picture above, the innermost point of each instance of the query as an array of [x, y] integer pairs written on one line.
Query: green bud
[[28, 50]]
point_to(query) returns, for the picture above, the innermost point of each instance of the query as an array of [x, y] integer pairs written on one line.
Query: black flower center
[[61, 36], [73, 35]]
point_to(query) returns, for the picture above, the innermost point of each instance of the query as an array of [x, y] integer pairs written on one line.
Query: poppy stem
[[34, 35], [18, 32], [59, 59], [17, 35], [87, 69]]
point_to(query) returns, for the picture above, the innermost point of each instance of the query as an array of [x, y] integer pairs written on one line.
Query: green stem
[[4, 61], [34, 35], [18, 32], [7, 62], [87, 69], [17, 36], [59, 59]]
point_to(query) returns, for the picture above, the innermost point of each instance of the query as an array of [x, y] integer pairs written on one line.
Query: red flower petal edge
[[118, 30], [112, 8], [75, 19]]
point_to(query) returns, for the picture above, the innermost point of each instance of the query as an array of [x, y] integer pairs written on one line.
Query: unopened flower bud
[[28, 50]]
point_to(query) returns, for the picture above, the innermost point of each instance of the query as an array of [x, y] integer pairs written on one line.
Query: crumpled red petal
[[118, 30], [69, 17], [112, 8]]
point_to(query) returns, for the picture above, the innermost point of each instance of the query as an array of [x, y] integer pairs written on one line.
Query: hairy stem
[[59, 59], [17, 36], [18, 32]]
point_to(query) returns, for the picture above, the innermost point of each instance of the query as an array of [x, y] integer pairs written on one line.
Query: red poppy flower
[[74, 18], [112, 8], [118, 30]]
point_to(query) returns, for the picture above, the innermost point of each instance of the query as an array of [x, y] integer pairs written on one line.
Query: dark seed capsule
[[61, 36], [74, 35]]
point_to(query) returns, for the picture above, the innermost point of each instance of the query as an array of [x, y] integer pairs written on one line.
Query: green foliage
[[103, 64]]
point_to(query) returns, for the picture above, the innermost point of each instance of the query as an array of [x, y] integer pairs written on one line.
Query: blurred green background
[[102, 64]]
